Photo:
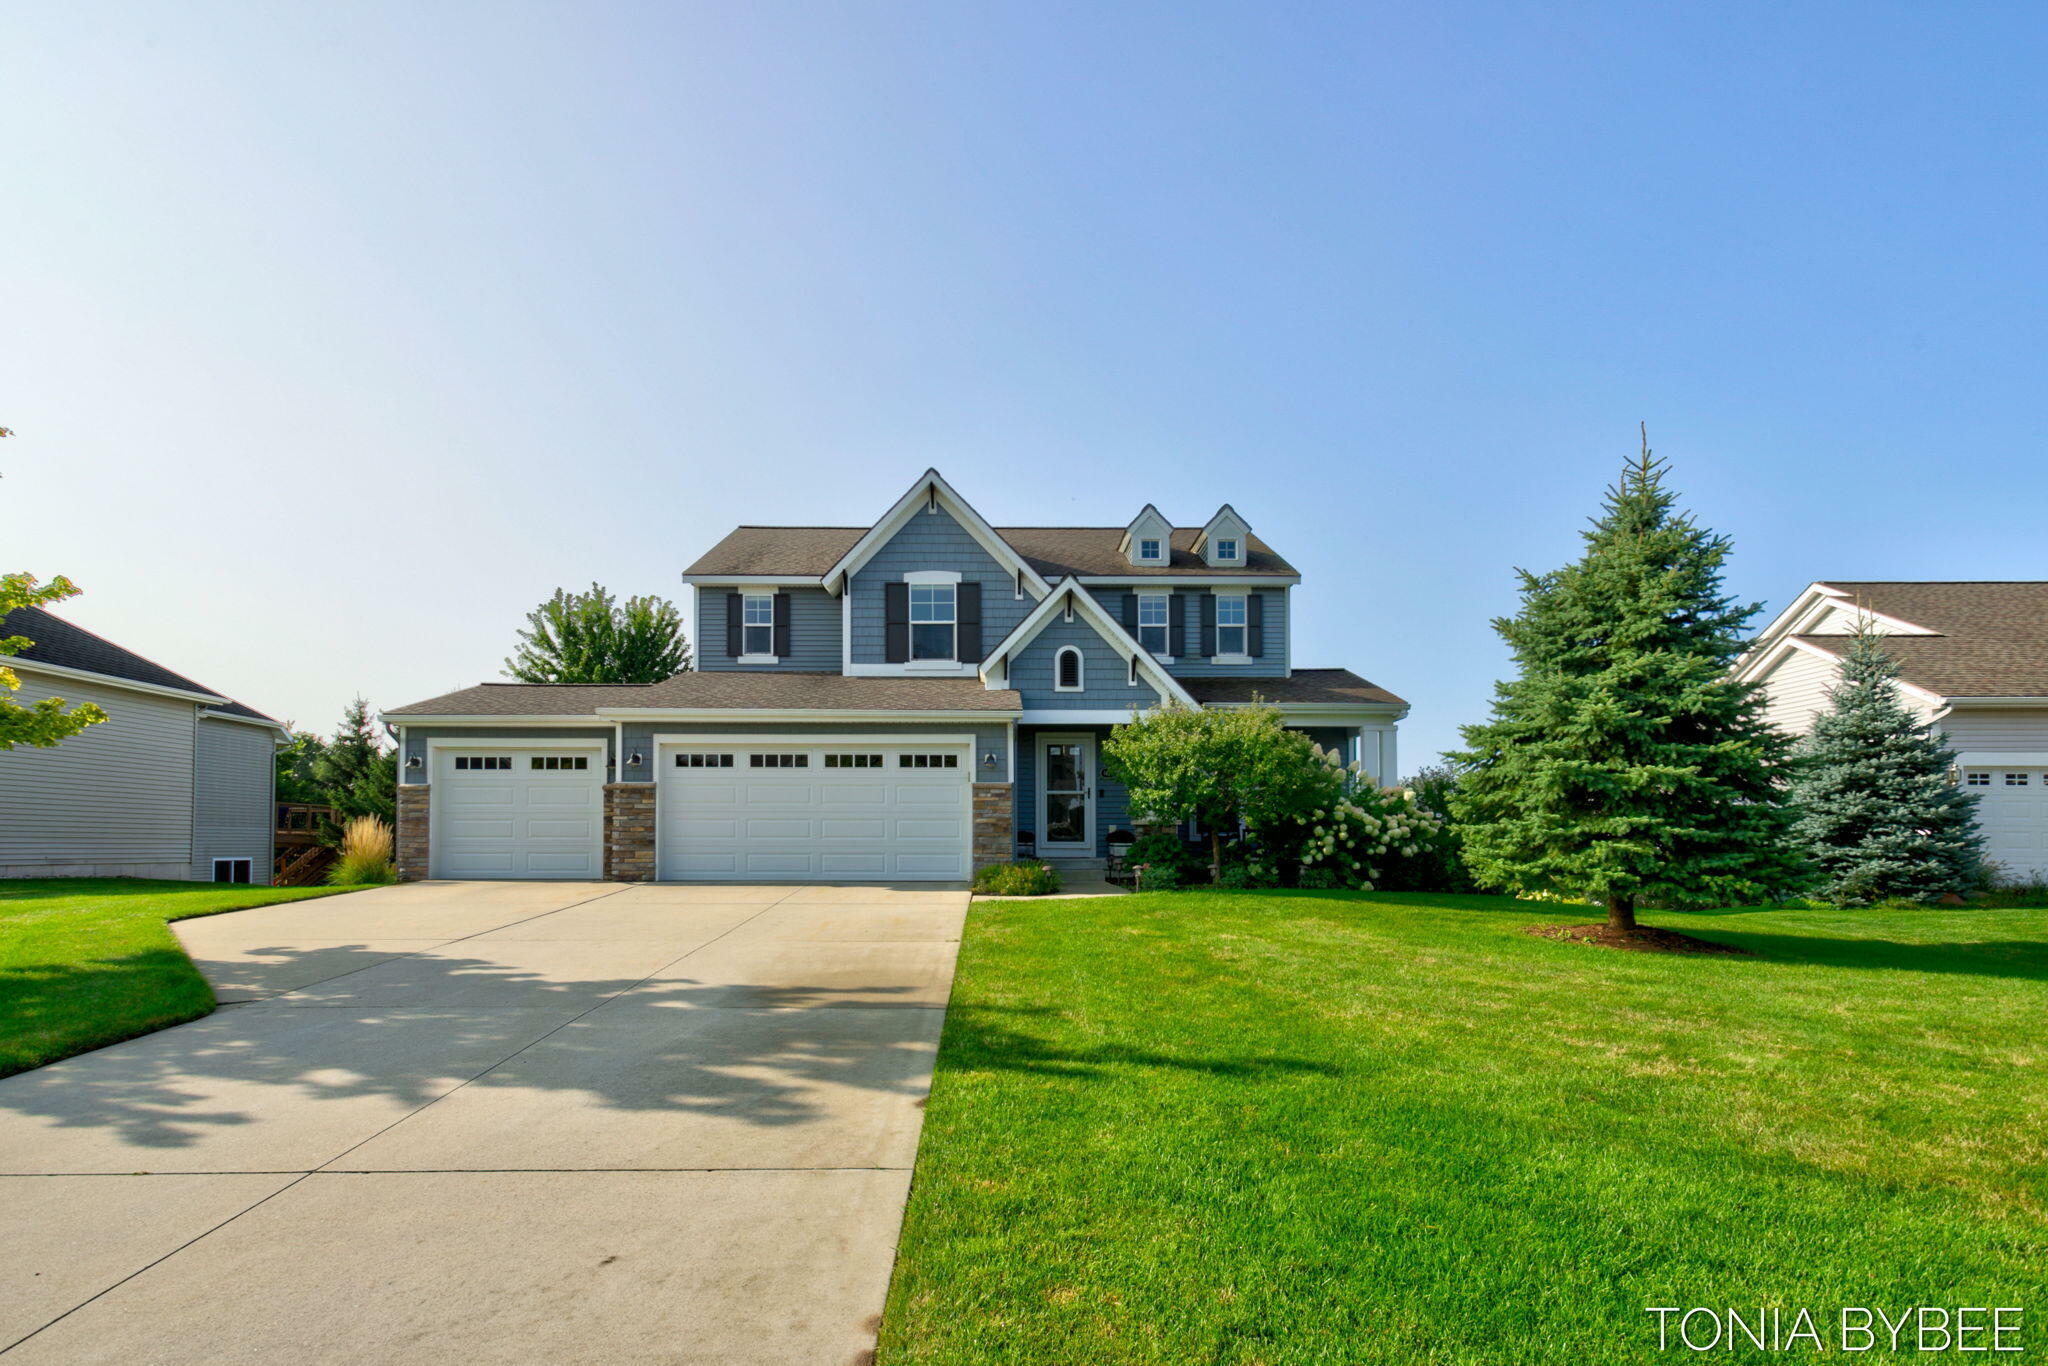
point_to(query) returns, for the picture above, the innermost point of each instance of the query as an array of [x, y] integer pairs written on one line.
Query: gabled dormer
[[1224, 543], [1148, 541]]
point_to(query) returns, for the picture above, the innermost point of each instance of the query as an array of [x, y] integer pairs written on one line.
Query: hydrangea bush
[[1352, 837]]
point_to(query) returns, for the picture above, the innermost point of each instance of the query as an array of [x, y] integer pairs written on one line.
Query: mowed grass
[[86, 962], [1351, 1128]]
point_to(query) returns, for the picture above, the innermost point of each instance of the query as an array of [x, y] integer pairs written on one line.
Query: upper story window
[[933, 620], [1226, 548], [758, 624], [1066, 670], [1152, 624], [1148, 549], [1230, 625]]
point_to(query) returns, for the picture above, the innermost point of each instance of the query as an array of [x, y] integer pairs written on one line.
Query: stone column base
[[409, 846], [629, 832], [995, 824]]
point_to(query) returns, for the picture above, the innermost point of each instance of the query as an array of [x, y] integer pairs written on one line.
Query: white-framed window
[[778, 761], [703, 761], [1230, 624], [1226, 548], [927, 761], [933, 621], [553, 763], [757, 629], [1148, 548], [1977, 779], [1066, 669], [2015, 780], [233, 869], [1154, 615], [853, 761], [483, 763]]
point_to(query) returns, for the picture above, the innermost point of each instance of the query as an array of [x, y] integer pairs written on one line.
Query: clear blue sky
[[337, 336]]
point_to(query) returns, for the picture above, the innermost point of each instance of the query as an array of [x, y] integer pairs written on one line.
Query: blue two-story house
[[902, 701]]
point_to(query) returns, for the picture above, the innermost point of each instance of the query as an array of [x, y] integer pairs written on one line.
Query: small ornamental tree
[[47, 722], [1623, 764], [1222, 768], [590, 638], [1879, 815]]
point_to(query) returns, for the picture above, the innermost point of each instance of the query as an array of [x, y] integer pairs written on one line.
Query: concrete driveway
[[490, 1122]]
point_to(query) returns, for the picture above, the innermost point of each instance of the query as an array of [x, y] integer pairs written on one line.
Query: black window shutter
[[967, 601], [1177, 614], [782, 626], [1131, 613], [735, 625], [896, 623], [1255, 624], [1208, 625]]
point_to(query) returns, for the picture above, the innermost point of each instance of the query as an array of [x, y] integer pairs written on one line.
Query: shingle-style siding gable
[[814, 632], [1105, 674], [932, 540]]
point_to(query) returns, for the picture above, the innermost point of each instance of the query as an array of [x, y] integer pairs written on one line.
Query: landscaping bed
[[1353, 1128], [86, 962]]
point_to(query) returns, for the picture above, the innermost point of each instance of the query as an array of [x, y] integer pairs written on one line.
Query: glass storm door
[[1067, 826]]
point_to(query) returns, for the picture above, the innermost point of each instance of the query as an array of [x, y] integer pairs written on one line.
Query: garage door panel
[[813, 821], [518, 822]]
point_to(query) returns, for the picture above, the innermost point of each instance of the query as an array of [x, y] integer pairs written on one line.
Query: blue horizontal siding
[[1104, 675], [814, 633], [933, 540]]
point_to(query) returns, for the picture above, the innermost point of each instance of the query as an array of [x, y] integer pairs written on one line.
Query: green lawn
[[1350, 1128], [86, 962]]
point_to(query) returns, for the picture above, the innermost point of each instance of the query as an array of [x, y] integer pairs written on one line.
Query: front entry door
[[1066, 800]]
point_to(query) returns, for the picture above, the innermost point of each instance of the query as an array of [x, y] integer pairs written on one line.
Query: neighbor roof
[[1991, 638], [1304, 686], [723, 689], [61, 645], [1053, 551]]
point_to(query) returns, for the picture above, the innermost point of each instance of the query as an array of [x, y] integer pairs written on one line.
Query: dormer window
[[1226, 549], [1148, 551]]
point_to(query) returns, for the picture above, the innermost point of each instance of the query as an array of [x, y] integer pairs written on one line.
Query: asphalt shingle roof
[[1054, 551], [58, 643], [715, 689], [1306, 685], [1991, 638]]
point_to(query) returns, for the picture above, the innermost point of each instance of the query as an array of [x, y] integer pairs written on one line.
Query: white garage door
[[517, 811], [2012, 808], [843, 812]]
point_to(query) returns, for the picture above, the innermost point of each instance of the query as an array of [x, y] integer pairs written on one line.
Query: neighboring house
[[177, 782], [1973, 659], [895, 701]]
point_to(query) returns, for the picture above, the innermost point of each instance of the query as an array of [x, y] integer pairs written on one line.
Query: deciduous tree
[[589, 638], [45, 723]]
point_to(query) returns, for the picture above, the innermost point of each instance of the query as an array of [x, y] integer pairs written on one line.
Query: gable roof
[[59, 644], [1983, 639], [720, 690], [1106, 626], [1052, 552], [931, 488]]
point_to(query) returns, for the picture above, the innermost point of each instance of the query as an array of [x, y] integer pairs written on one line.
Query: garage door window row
[[476, 763], [853, 761], [927, 761], [559, 762], [778, 761], [703, 761]]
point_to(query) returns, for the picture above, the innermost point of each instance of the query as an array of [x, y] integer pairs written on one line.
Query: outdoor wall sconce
[[988, 761], [634, 760], [415, 762]]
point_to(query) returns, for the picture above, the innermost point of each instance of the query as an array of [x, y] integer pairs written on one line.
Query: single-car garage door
[[506, 811], [2012, 810], [846, 812]]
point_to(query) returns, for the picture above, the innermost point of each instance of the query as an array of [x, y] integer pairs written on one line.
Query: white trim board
[[1068, 593], [17, 663]]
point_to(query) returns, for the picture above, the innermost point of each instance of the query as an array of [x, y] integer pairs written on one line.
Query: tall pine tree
[[1878, 814], [1624, 765]]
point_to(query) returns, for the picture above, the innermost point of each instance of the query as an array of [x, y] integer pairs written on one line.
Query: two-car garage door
[[839, 811]]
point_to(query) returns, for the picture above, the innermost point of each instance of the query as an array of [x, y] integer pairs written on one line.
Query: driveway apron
[[492, 1123]]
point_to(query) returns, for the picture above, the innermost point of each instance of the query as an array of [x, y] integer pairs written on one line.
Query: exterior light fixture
[[988, 760], [415, 762], [634, 760]]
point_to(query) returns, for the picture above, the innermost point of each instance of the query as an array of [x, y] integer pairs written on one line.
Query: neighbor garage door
[[517, 811], [844, 812], [2012, 808]]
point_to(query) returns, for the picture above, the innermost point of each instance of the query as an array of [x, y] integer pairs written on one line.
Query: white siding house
[[1973, 660], [176, 783]]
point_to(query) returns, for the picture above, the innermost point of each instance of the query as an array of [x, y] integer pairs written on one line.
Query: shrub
[[1320, 879], [365, 854], [1023, 878], [1249, 874], [1164, 850], [1159, 877], [1362, 831]]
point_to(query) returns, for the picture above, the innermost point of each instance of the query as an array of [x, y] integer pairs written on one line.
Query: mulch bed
[[1641, 939]]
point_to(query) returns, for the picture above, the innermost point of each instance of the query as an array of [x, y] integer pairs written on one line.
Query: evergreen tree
[[590, 638], [1624, 765], [296, 781], [356, 775], [1878, 814]]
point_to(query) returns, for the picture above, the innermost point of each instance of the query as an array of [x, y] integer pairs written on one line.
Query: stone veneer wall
[[995, 824], [629, 832], [410, 847]]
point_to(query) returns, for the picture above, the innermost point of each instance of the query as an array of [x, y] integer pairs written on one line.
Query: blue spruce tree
[[1879, 815]]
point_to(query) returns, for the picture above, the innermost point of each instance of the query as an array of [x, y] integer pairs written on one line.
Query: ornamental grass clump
[[365, 854]]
